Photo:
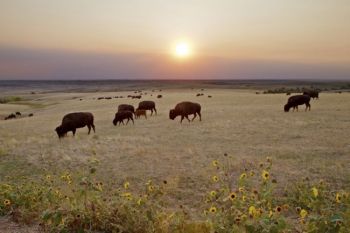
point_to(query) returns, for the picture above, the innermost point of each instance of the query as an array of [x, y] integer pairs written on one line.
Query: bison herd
[[72, 121]]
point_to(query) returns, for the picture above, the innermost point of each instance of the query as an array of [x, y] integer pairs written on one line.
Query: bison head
[[172, 114], [60, 132], [286, 108], [115, 122]]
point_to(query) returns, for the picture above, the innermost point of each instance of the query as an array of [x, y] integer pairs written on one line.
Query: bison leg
[[93, 127], [155, 110], [187, 118], [151, 112], [200, 116], [128, 120], [74, 130], [89, 127], [195, 115], [307, 106], [132, 120], [182, 117]]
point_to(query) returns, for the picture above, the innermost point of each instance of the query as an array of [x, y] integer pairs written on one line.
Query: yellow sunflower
[[314, 191], [338, 198], [265, 175], [215, 163], [212, 209], [213, 193], [233, 196], [243, 176], [126, 185], [7, 202], [303, 213], [215, 178]]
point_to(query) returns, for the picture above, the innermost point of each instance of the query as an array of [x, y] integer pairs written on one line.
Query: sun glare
[[182, 49]]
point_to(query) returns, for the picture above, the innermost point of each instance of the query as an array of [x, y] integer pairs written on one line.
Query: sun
[[182, 49]]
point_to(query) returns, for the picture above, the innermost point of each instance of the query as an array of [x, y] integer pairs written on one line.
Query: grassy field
[[246, 126]]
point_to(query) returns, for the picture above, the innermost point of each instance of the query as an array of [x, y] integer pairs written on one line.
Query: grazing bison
[[30, 114], [184, 109], [312, 93], [72, 121], [147, 105], [18, 114], [140, 112], [126, 107], [121, 116], [159, 96], [296, 100]]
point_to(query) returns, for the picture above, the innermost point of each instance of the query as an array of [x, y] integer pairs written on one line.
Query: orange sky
[[291, 32]]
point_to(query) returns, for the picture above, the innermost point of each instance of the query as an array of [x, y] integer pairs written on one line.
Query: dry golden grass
[[245, 125]]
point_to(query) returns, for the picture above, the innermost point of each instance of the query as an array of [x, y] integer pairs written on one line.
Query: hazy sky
[[134, 39]]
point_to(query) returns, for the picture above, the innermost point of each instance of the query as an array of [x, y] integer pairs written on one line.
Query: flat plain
[[246, 126]]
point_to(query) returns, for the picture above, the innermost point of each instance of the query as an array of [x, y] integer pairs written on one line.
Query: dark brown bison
[[72, 121], [11, 116], [312, 93], [147, 105], [121, 116], [296, 100], [184, 109], [126, 107]]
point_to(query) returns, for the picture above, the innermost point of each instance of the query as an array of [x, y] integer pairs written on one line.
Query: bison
[[126, 107], [139, 113], [11, 116], [312, 93], [296, 100], [184, 109], [121, 116], [147, 105], [72, 121]]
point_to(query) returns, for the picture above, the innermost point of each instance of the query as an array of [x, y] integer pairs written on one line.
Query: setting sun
[[182, 49]]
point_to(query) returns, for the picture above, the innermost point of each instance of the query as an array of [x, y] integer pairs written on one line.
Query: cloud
[[16, 63]]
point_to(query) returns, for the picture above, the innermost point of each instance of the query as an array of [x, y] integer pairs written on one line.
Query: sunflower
[[233, 196], [213, 193], [244, 198], [126, 185], [48, 177], [215, 178], [338, 198], [252, 211], [215, 163], [314, 191], [139, 201], [243, 176], [303, 213], [265, 175], [241, 189], [268, 159], [212, 209], [252, 173], [298, 209], [7, 202], [150, 188], [278, 209]]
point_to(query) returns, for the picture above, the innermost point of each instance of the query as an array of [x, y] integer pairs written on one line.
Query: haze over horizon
[[229, 39]]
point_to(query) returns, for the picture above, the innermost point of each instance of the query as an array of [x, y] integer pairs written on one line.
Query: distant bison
[[18, 114], [159, 96], [30, 114], [147, 105], [296, 100], [312, 93], [126, 107], [121, 116], [140, 112], [72, 121], [11, 116], [184, 109]]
